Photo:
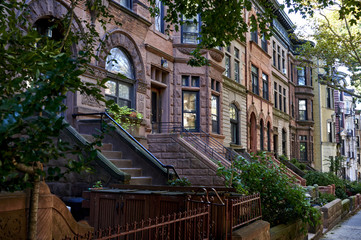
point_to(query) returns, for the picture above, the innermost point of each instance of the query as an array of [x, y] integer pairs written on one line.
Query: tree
[[337, 34], [37, 69]]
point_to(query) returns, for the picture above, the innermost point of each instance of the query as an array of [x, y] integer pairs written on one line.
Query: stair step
[[122, 163], [140, 181], [112, 154], [134, 172], [88, 137], [104, 147]]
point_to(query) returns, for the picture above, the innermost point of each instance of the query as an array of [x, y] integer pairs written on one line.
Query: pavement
[[349, 229]]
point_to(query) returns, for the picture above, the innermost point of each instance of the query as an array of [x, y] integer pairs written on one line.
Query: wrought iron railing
[[201, 140], [243, 210], [138, 144], [191, 224]]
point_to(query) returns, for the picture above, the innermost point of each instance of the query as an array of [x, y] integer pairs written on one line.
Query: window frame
[[197, 33], [195, 111], [303, 111], [234, 125], [265, 86], [216, 116], [255, 79]]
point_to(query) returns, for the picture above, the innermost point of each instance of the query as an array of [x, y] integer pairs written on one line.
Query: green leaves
[[282, 201]]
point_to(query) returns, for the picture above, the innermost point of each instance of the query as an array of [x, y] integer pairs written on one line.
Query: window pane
[[302, 105], [195, 81], [214, 113], [111, 88], [236, 71], [185, 81], [233, 113], [118, 62], [227, 63], [301, 77], [124, 91], [189, 101], [189, 120]]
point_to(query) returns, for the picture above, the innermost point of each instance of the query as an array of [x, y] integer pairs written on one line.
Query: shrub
[[180, 182], [324, 179], [353, 187], [281, 200]]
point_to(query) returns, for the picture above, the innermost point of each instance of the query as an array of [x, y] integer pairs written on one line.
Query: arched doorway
[[253, 133]]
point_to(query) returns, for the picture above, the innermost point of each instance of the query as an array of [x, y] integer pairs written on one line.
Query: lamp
[[163, 63]]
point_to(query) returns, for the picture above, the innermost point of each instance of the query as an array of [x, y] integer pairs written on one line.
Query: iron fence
[[192, 224], [243, 210]]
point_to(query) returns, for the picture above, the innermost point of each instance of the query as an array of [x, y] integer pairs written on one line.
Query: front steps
[[124, 165]]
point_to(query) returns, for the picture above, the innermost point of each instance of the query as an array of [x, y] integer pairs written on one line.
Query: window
[[329, 97], [302, 109], [227, 66], [301, 76], [279, 58], [190, 30], [312, 110], [215, 85], [120, 89], [49, 27], [293, 109], [188, 81], [284, 100], [236, 71], [269, 136], [311, 81], [236, 52], [233, 115], [303, 151], [329, 131], [284, 141], [264, 42], [357, 123], [341, 96], [159, 19], [283, 62], [190, 110], [274, 54], [303, 148], [255, 86], [126, 3], [228, 48], [254, 36], [280, 97], [275, 94], [215, 113], [265, 86], [292, 67], [358, 141], [261, 135]]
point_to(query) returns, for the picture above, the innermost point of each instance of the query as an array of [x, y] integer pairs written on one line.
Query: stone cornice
[[280, 114], [159, 52], [231, 84]]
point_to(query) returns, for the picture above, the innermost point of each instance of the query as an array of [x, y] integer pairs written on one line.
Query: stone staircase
[[124, 165]]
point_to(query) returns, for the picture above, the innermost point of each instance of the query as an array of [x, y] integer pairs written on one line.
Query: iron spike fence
[[192, 224]]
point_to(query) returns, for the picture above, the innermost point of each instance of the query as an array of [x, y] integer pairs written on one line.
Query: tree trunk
[[33, 213]]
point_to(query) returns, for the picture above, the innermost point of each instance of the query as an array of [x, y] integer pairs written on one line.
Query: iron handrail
[[229, 154], [208, 150], [131, 137]]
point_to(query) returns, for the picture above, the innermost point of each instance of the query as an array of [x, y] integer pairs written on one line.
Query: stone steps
[[124, 165]]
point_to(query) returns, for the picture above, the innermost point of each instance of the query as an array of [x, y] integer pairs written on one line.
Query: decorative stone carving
[[217, 56], [142, 87], [188, 50], [13, 225], [89, 101]]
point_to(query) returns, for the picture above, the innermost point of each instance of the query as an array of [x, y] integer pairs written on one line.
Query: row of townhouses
[[256, 95]]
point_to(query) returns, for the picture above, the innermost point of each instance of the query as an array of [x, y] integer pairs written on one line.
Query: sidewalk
[[350, 229]]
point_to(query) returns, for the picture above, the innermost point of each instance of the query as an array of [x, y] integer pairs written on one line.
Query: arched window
[[49, 27], [233, 115], [120, 89], [261, 135]]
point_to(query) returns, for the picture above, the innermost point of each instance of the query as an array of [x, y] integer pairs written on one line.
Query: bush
[[353, 188], [281, 200], [324, 179]]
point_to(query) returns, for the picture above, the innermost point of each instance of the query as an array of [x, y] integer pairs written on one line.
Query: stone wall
[[332, 213], [288, 231], [259, 230], [171, 149], [54, 219]]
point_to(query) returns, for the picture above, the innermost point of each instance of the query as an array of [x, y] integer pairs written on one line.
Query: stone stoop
[[124, 165]]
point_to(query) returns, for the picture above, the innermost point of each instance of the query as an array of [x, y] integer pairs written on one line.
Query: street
[[349, 229]]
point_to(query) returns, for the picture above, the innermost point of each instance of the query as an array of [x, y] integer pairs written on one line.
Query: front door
[[156, 111]]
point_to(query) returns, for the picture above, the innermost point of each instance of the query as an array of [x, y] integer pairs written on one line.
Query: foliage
[[325, 179], [181, 182], [299, 165], [282, 201], [338, 37], [336, 164], [98, 184], [125, 116], [324, 198], [353, 187]]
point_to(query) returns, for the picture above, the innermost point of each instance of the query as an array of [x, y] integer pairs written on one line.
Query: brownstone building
[[250, 96]]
